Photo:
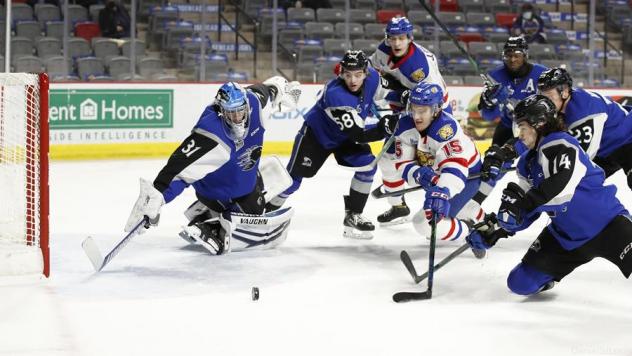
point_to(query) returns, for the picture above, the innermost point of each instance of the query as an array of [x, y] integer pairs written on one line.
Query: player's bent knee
[[526, 280]]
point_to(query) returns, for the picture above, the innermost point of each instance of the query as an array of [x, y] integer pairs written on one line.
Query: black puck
[[255, 293]]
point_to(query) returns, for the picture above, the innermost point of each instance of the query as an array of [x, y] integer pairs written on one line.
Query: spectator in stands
[[114, 20], [530, 24]]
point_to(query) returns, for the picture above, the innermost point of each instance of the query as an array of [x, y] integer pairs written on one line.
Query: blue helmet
[[233, 105], [399, 26], [426, 94]]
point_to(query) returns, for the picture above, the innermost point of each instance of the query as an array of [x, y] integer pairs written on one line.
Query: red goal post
[[24, 191]]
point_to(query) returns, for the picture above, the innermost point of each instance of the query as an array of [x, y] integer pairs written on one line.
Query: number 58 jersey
[[443, 146]]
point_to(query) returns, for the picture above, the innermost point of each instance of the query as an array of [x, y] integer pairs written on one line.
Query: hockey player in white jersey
[[221, 160], [433, 152], [402, 64]]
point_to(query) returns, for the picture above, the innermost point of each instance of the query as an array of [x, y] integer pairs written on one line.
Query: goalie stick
[[93, 253], [379, 194]]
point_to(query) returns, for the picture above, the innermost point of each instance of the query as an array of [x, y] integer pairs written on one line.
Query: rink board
[[144, 120]]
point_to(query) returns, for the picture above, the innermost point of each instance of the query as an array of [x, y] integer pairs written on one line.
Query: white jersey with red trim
[[443, 145]]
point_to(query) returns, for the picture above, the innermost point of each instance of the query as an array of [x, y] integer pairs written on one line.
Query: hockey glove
[[437, 202], [494, 94], [485, 237], [388, 123], [404, 98], [512, 207], [494, 159], [286, 93], [425, 176], [149, 203]]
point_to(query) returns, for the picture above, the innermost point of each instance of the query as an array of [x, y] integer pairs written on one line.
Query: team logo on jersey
[[418, 75], [425, 158], [446, 132], [249, 158]]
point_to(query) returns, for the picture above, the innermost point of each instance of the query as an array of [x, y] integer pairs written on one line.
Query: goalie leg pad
[[249, 232], [276, 179]]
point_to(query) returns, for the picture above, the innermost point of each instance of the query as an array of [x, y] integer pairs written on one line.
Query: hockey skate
[[357, 227], [397, 214], [209, 235]]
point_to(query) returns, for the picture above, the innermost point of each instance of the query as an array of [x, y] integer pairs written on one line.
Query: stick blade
[[408, 263], [402, 297], [93, 253]]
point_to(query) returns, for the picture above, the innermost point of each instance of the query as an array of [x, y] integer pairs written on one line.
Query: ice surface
[[320, 294]]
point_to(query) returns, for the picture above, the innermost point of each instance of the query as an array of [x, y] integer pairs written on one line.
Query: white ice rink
[[321, 294]]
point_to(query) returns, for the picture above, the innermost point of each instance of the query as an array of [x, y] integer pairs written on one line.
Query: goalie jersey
[[340, 115], [218, 167], [443, 146], [599, 124], [560, 179]]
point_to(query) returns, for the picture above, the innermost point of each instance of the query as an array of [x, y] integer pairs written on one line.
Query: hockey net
[[24, 174]]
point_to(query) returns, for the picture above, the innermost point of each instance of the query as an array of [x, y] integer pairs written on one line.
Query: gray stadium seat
[[540, 51], [148, 66], [482, 50], [391, 4], [118, 67], [48, 47], [362, 15], [412, 5], [356, 30], [556, 38], [305, 72], [307, 53], [498, 6], [78, 47], [480, 19], [472, 5], [335, 47], [76, 13], [330, 15], [55, 29], [90, 66], [21, 12], [452, 18], [449, 49], [21, 46], [497, 37], [304, 14], [319, 30], [368, 46], [55, 66], [29, 29], [365, 4], [47, 12], [288, 36], [429, 45], [105, 48], [94, 11], [374, 31], [421, 18], [126, 48], [28, 64]]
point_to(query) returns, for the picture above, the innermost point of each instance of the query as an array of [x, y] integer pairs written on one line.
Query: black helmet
[[354, 60], [516, 44], [554, 78], [540, 112]]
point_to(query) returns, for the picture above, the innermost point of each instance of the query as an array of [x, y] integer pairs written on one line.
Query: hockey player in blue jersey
[[336, 125], [403, 64], [557, 177], [220, 160], [603, 127], [514, 81]]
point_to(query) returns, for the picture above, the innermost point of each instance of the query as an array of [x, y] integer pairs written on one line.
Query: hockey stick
[[379, 194], [417, 278], [93, 253], [387, 144], [400, 297]]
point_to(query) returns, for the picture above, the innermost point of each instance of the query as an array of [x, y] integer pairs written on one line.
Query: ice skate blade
[[194, 233], [398, 221], [352, 233], [186, 237]]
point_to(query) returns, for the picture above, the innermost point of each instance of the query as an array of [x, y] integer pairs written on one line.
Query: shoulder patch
[[418, 75], [446, 132]]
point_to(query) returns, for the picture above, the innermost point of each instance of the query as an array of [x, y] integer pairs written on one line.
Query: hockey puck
[[255, 293]]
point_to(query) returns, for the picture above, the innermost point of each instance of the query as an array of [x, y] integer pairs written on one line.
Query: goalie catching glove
[[286, 94], [149, 203]]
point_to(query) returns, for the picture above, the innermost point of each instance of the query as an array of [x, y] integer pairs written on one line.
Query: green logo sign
[[107, 108]]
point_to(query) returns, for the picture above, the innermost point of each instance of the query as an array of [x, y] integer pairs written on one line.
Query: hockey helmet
[[354, 60], [516, 44], [427, 94], [539, 112], [233, 104], [399, 26], [555, 78]]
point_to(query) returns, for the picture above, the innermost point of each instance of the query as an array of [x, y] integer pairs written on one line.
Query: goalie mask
[[234, 109]]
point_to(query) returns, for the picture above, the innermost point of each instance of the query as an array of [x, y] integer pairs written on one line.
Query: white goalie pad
[[257, 232], [276, 178]]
